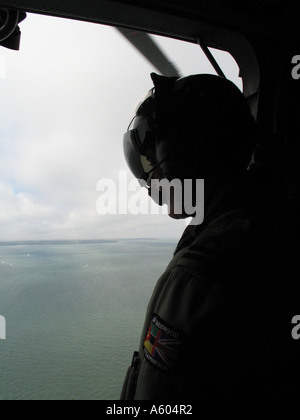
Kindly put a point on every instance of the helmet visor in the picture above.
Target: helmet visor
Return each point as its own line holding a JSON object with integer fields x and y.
{"x": 132, "y": 155}
{"x": 139, "y": 137}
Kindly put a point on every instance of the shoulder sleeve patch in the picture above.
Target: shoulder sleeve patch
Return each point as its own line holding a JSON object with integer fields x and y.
{"x": 162, "y": 344}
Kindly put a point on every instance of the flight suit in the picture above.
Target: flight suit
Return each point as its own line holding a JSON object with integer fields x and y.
{"x": 218, "y": 323}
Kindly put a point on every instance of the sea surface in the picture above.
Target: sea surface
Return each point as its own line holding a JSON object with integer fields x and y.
{"x": 74, "y": 314}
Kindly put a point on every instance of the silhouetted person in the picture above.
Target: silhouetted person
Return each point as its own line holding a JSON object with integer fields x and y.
{"x": 218, "y": 325}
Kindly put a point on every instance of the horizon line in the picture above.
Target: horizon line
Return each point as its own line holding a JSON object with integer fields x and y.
{"x": 78, "y": 241}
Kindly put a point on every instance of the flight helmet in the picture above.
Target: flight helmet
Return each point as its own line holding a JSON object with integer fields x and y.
{"x": 192, "y": 127}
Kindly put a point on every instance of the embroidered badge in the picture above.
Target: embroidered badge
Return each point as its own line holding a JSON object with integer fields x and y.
{"x": 162, "y": 344}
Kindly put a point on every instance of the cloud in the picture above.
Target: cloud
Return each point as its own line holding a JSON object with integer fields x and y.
{"x": 20, "y": 215}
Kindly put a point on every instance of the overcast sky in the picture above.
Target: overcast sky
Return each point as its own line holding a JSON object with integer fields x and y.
{"x": 65, "y": 101}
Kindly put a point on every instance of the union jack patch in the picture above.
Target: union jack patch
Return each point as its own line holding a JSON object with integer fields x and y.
{"x": 162, "y": 344}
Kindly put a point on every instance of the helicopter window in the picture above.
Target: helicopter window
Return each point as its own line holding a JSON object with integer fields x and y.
{"x": 192, "y": 60}
{"x": 75, "y": 282}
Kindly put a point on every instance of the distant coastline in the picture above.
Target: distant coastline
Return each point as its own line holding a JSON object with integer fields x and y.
{"x": 72, "y": 241}
{"x": 59, "y": 242}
